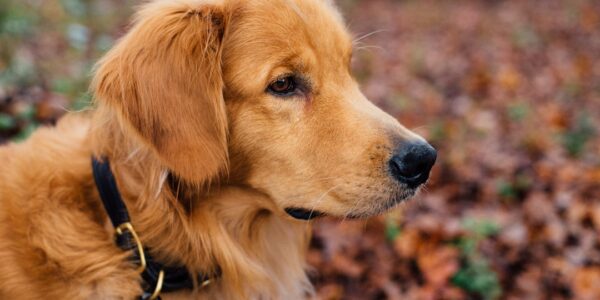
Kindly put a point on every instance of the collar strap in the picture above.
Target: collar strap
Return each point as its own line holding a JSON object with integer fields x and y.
{"x": 157, "y": 277}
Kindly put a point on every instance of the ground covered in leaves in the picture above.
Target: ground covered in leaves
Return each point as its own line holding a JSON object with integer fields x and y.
{"x": 508, "y": 91}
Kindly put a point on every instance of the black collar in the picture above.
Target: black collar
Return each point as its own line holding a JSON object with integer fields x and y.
{"x": 157, "y": 277}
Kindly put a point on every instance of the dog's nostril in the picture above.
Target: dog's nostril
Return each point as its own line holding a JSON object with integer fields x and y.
{"x": 412, "y": 163}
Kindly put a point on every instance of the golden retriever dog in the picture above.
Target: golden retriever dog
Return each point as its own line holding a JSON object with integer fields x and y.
{"x": 227, "y": 125}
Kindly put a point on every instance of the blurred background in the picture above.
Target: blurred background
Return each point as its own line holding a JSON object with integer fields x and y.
{"x": 508, "y": 91}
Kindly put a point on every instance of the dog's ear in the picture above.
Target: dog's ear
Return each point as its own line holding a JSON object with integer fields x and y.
{"x": 164, "y": 80}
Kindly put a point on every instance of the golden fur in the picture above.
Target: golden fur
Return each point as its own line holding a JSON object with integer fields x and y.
{"x": 183, "y": 93}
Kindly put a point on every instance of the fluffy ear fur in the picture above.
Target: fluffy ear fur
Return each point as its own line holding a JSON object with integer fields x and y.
{"x": 164, "y": 81}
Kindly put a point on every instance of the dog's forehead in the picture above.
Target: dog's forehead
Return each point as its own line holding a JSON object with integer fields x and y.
{"x": 315, "y": 11}
{"x": 295, "y": 19}
{"x": 266, "y": 32}
{"x": 323, "y": 21}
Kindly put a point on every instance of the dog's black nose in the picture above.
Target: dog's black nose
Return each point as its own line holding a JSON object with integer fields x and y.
{"x": 412, "y": 163}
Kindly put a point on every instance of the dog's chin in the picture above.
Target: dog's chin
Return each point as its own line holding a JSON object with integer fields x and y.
{"x": 309, "y": 214}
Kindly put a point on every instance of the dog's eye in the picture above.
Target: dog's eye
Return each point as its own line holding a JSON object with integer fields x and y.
{"x": 284, "y": 86}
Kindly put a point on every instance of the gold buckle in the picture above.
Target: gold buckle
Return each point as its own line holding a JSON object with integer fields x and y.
{"x": 128, "y": 227}
{"x": 159, "y": 284}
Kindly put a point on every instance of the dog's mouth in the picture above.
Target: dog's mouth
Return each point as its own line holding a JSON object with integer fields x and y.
{"x": 303, "y": 214}
{"x": 309, "y": 214}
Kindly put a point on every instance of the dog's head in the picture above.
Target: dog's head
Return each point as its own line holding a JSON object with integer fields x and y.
{"x": 260, "y": 92}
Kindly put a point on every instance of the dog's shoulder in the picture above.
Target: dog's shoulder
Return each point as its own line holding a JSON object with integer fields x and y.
{"x": 51, "y": 158}
{"x": 51, "y": 222}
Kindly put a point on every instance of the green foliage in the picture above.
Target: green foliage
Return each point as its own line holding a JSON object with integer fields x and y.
{"x": 481, "y": 229}
{"x": 16, "y": 24}
{"x": 26, "y": 131}
{"x": 525, "y": 37}
{"x": 27, "y": 117}
{"x": 518, "y": 111}
{"x": 476, "y": 276}
{"x": 392, "y": 229}
{"x": 575, "y": 139}
{"x": 437, "y": 131}
{"x": 510, "y": 190}
{"x": 570, "y": 90}
{"x": 506, "y": 189}
{"x": 401, "y": 101}
{"x": 47, "y": 52}
{"x": 15, "y": 20}
{"x": 7, "y": 121}
{"x": 82, "y": 102}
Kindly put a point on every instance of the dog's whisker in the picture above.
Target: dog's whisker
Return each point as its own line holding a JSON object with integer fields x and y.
{"x": 352, "y": 210}
{"x": 323, "y": 179}
{"x": 364, "y": 227}
{"x": 161, "y": 182}
{"x": 421, "y": 127}
{"x": 132, "y": 154}
{"x": 368, "y": 47}
{"x": 68, "y": 110}
{"x": 318, "y": 201}
{"x": 361, "y": 199}
{"x": 362, "y": 37}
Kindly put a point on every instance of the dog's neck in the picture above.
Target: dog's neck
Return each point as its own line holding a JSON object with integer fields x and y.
{"x": 234, "y": 229}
